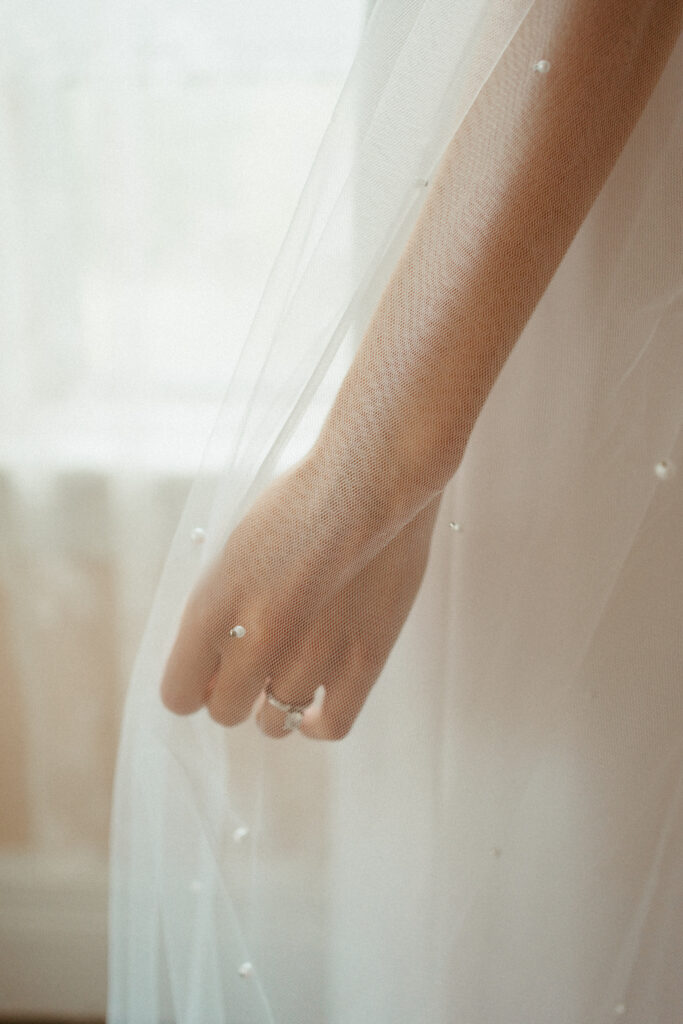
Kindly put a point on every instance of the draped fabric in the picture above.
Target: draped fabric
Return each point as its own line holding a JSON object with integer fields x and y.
{"x": 499, "y": 838}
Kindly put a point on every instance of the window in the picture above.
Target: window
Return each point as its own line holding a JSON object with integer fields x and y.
{"x": 152, "y": 156}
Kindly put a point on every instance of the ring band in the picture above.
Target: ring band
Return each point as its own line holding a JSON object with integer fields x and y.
{"x": 294, "y": 713}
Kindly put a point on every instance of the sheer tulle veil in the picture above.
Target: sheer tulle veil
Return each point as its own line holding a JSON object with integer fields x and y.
{"x": 499, "y": 839}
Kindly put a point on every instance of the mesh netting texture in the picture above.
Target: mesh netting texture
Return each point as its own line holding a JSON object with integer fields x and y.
{"x": 439, "y": 523}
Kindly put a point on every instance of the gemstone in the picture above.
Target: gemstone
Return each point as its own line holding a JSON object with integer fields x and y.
{"x": 293, "y": 720}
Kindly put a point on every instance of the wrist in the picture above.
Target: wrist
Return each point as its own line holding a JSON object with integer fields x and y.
{"x": 369, "y": 499}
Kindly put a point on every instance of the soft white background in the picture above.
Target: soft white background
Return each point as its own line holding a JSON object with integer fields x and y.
{"x": 151, "y": 156}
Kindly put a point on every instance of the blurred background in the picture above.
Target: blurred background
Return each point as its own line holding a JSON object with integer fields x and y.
{"x": 151, "y": 156}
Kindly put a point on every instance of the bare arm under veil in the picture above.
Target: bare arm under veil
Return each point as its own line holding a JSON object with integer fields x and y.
{"x": 440, "y": 521}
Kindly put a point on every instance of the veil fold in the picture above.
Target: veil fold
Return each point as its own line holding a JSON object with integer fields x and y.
{"x": 500, "y": 837}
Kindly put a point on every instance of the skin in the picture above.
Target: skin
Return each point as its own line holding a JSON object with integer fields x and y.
{"x": 327, "y": 609}
{"x": 341, "y": 642}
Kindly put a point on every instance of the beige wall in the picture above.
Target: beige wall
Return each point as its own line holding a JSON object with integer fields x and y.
{"x": 80, "y": 555}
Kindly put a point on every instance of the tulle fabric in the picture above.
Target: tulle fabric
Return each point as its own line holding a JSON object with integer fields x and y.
{"x": 500, "y": 837}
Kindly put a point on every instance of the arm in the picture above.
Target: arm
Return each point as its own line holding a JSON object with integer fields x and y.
{"x": 323, "y": 569}
{"x": 491, "y": 234}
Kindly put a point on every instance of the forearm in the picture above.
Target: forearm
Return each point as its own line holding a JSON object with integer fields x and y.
{"x": 500, "y": 215}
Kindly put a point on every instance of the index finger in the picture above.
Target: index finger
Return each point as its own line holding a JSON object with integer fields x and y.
{"x": 191, "y": 666}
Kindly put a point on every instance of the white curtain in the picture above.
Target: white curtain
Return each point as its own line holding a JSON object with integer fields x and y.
{"x": 140, "y": 213}
{"x": 499, "y": 839}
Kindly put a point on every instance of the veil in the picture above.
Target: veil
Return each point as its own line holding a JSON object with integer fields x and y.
{"x": 499, "y": 838}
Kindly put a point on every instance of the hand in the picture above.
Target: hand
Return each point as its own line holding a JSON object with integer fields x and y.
{"x": 319, "y": 605}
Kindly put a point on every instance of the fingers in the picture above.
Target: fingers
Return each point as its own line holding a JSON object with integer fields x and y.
{"x": 237, "y": 684}
{"x": 225, "y": 667}
{"x": 293, "y": 684}
{"x": 347, "y": 671}
{"x": 233, "y": 684}
{"x": 345, "y": 695}
{"x": 196, "y": 675}
{"x": 210, "y": 661}
{"x": 279, "y": 721}
{"x": 344, "y": 650}
{"x": 191, "y": 666}
{"x": 248, "y": 654}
